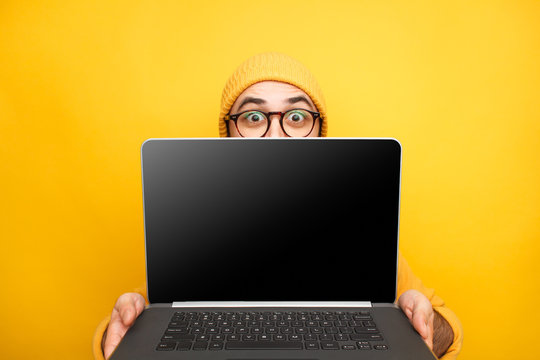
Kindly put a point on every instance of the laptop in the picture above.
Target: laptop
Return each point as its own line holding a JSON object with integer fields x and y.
{"x": 261, "y": 249}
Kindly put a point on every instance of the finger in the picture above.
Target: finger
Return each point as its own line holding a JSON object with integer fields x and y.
{"x": 423, "y": 322}
{"x": 133, "y": 309}
{"x": 122, "y": 317}
{"x": 429, "y": 339}
{"x": 406, "y": 303}
{"x": 115, "y": 333}
{"x": 140, "y": 303}
{"x": 126, "y": 308}
{"x": 113, "y": 339}
{"x": 128, "y": 314}
{"x": 419, "y": 321}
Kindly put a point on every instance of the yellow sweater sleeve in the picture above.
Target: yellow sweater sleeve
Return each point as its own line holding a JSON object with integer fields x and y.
{"x": 406, "y": 281}
{"x": 102, "y": 326}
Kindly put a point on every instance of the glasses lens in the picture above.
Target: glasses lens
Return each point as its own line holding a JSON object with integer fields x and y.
{"x": 298, "y": 122}
{"x": 252, "y": 124}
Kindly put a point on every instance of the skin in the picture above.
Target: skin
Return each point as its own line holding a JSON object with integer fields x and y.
{"x": 433, "y": 328}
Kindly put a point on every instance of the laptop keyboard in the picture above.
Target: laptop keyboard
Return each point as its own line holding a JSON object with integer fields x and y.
{"x": 272, "y": 330}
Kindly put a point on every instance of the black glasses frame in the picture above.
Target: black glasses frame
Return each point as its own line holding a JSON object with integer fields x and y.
{"x": 234, "y": 118}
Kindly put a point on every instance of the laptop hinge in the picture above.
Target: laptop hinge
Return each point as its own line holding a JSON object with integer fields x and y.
{"x": 193, "y": 304}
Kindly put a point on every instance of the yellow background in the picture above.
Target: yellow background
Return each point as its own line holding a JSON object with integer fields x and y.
{"x": 83, "y": 84}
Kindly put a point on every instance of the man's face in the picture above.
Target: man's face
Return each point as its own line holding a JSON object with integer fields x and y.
{"x": 270, "y": 96}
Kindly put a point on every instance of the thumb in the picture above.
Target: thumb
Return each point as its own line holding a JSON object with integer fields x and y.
{"x": 130, "y": 308}
{"x": 407, "y": 302}
{"x": 127, "y": 315}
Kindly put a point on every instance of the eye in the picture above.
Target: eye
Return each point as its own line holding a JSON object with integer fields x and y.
{"x": 254, "y": 116}
{"x": 296, "y": 116}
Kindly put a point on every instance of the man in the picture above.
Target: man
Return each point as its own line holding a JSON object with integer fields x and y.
{"x": 273, "y": 95}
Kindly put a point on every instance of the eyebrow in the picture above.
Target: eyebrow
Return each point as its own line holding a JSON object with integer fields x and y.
{"x": 252, "y": 100}
{"x": 296, "y": 99}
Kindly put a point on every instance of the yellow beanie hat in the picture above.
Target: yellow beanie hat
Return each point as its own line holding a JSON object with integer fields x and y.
{"x": 270, "y": 66}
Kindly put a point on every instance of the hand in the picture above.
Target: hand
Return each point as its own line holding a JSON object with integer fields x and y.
{"x": 127, "y": 308}
{"x": 420, "y": 312}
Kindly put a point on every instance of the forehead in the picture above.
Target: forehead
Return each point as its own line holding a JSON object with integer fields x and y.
{"x": 272, "y": 90}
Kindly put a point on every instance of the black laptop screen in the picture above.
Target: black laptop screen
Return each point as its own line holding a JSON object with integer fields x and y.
{"x": 271, "y": 219}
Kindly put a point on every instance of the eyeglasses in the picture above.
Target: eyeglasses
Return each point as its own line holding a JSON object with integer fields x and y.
{"x": 255, "y": 123}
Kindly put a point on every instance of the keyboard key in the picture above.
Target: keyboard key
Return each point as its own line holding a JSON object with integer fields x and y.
{"x": 331, "y": 330}
{"x": 348, "y": 347}
{"x": 178, "y": 337}
{"x": 177, "y": 330}
{"x": 329, "y": 345}
{"x": 380, "y": 347}
{"x": 183, "y": 346}
{"x": 264, "y": 345}
{"x": 365, "y": 330}
{"x": 166, "y": 346}
{"x": 287, "y": 330}
{"x": 200, "y": 345}
{"x": 178, "y": 324}
{"x": 372, "y": 337}
{"x": 312, "y": 345}
{"x": 215, "y": 345}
